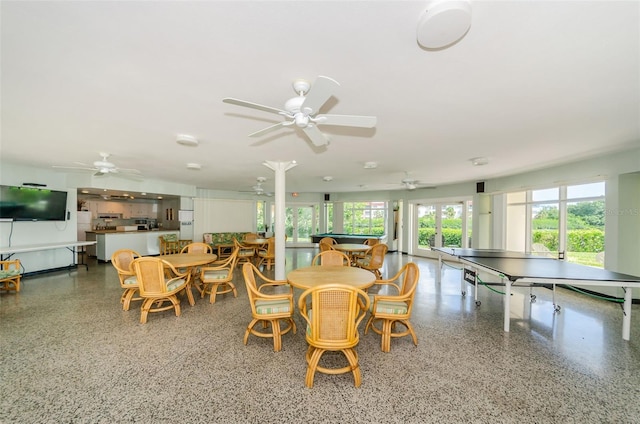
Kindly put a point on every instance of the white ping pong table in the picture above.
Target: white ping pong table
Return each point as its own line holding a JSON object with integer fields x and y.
{"x": 520, "y": 269}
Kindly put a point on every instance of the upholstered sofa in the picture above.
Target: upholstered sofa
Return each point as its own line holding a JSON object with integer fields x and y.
{"x": 222, "y": 243}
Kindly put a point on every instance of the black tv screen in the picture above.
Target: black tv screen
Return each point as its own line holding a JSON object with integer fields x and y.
{"x": 32, "y": 204}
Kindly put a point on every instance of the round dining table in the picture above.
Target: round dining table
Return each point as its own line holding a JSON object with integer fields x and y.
{"x": 317, "y": 275}
{"x": 189, "y": 261}
{"x": 351, "y": 249}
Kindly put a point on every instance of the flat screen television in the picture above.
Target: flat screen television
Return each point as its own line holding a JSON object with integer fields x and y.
{"x": 32, "y": 204}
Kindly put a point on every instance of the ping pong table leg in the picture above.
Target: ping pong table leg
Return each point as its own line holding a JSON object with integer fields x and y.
{"x": 439, "y": 272}
{"x": 626, "y": 318}
{"x": 507, "y": 303}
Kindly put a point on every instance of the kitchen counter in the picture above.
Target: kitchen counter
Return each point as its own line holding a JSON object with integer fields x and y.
{"x": 125, "y": 232}
{"x": 145, "y": 242}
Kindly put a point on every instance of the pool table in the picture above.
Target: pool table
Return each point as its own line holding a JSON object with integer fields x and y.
{"x": 348, "y": 238}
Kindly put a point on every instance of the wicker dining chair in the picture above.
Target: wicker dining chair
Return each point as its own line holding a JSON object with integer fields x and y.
{"x": 331, "y": 257}
{"x": 218, "y": 279}
{"x": 269, "y": 310}
{"x": 10, "y": 275}
{"x": 197, "y": 247}
{"x": 325, "y": 247}
{"x": 155, "y": 288}
{"x": 267, "y": 254}
{"x": 391, "y": 310}
{"x": 122, "y": 260}
{"x": 332, "y": 313}
{"x": 245, "y": 253}
{"x": 329, "y": 240}
{"x": 373, "y": 259}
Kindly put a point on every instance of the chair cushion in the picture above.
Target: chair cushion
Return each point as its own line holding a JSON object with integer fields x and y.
{"x": 6, "y": 273}
{"x": 246, "y": 252}
{"x": 131, "y": 280}
{"x": 272, "y": 306}
{"x": 170, "y": 237}
{"x": 363, "y": 261}
{"x": 174, "y": 284}
{"x": 218, "y": 274}
{"x": 389, "y": 307}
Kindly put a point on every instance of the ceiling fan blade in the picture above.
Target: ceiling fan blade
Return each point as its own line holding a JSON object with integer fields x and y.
{"x": 321, "y": 90}
{"x": 81, "y": 168}
{"x": 128, "y": 171}
{"x": 315, "y": 135}
{"x": 270, "y": 128}
{"x": 347, "y": 120}
{"x": 244, "y": 103}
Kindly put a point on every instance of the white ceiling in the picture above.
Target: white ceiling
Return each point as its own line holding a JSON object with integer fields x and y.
{"x": 532, "y": 84}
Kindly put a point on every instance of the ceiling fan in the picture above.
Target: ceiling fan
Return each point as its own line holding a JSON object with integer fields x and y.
{"x": 101, "y": 167}
{"x": 302, "y": 110}
{"x": 258, "y": 189}
{"x": 412, "y": 184}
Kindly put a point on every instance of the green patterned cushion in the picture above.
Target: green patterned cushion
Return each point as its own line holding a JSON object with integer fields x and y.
{"x": 216, "y": 275}
{"x": 272, "y": 306}
{"x": 170, "y": 237}
{"x": 216, "y": 239}
{"x": 390, "y": 307}
{"x": 6, "y": 273}
{"x": 174, "y": 284}
{"x": 131, "y": 280}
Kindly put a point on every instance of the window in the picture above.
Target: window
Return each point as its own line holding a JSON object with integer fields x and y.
{"x": 260, "y": 217}
{"x": 328, "y": 217}
{"x": 566, "y": 222}
{"x": 365, "y": 217}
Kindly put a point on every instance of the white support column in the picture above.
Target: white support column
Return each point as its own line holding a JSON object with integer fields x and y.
{"x": 280, "y": 168}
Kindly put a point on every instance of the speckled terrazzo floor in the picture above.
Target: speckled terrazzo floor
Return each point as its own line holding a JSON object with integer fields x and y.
{"x": 69, "y": 354}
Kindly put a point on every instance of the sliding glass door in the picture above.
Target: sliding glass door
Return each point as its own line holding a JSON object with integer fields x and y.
{"x": 442, "y": 225}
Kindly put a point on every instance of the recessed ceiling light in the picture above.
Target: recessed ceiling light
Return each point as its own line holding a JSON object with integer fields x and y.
{"x": 479, "y": 161}
{"x": 370, "y": 165}
{"x": 85, "y": 191}
{"x": 327, "y": 178}
{"x": 186, "y": 140}
{"x": 194, "y": 166}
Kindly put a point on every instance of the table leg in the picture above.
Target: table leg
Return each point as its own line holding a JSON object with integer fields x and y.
{"x": 626, "y": 318}
{"x": 507, "y": 303}
{"x": 439, "y": 271}
{"x": 189, "y": 293}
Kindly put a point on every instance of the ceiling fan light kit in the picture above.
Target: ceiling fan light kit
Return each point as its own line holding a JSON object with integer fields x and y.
{"x": 444, "y": 23}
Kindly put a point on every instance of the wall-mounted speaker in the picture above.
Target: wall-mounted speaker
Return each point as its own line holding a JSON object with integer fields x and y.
{"x": 480, "y": 187}
{"x": 327, "y": 197}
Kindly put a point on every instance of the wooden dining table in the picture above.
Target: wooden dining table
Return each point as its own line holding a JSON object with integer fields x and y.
{"x": 317, "y": 275}
{"x": 189, "y": 261}
{"x": 351, "y": 249}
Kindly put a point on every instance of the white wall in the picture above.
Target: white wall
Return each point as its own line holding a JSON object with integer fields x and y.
{"x": 28, "y": 233}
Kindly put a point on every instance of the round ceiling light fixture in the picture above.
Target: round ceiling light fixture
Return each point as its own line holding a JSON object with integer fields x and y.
{"x": 186, "y": 140}
{"x": 479, "y": 161}
{"x": 444, "y": 23}
{"x": 195, "y": 166}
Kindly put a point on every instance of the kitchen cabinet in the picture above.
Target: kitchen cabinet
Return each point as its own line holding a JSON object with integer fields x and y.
{"x": 92, "y": 206}
{"x": 146, "y": 243}
{"x": 143, "y": 210}
{"x": 113, "y": 208}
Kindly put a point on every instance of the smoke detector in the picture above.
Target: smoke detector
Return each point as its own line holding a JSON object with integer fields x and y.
{"x": 444, "y": 23}
{"x": 186, "y": 140}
